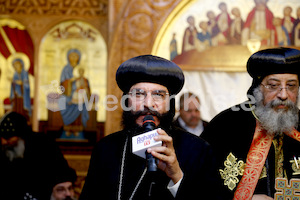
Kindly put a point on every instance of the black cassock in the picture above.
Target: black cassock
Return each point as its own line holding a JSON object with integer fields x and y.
{"x": 194, "y": 155}
{"x": 231, "y": 132}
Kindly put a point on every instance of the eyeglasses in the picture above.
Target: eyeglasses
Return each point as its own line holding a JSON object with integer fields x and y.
{"x": 140, "y": 95}
{"x": 277, "y": 88}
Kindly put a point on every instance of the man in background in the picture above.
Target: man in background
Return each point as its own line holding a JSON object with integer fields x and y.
{"x": 189, "y": 114}
{"x": 63, "y": 188}
{"x": 29, "y": 161}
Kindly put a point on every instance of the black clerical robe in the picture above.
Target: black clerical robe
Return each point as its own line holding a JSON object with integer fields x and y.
{"x": 104, "y": 176}
{"x": 230, "y": 134}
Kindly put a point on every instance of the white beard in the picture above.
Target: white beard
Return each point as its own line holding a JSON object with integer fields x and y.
{"x": 276, "y": 122}
{"x": 17, "y": 151}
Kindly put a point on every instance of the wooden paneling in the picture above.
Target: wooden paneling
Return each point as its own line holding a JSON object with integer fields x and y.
{"x": 81, "y": 164}
{"x": 134, "y": 26}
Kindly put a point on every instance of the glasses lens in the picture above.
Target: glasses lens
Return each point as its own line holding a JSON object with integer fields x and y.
{"x": 138, "y": 94}
{"x": 292, "y": 88}
{"x": 158, "y": 95}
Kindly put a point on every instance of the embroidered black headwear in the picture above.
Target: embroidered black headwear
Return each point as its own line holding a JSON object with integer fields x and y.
{"x": 272, "y": 61}
{"x": 13, "y": 124}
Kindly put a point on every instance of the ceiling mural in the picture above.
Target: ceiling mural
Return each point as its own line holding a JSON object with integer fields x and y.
{"x": 221, "y": 35}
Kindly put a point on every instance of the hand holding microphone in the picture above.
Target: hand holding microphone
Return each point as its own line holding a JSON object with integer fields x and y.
{"x": 162, "y": 149}
{"x": 166, "y": 155}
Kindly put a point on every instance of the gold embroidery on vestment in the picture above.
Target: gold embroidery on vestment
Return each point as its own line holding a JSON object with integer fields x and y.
{"x": 231, "y": 171}
{"x": 263, "y": 173}
{"x": 295, "y": 167}
{"x": 277, "y": 142}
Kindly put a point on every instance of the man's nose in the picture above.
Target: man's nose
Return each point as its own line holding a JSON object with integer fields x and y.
{"x": 148, "y": 101}
{"x": 68, "y": 193}
{"x": 282, "y": 94}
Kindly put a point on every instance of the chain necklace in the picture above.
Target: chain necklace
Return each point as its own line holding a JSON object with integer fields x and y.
{"x": 122, "y": 171}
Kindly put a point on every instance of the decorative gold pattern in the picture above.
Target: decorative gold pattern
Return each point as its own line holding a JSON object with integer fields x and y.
{"x": 255, "y": 161}
{"x": 232, "y": 170}
{"x": 263, "y": 173}
{"x": 277, "y": 142}
{"x": 138, "y": 27}
{"x": 54, "y": 7}
{"x": 294, "y": 166}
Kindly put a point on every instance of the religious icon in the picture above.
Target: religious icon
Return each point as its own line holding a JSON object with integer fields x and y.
{"x": 20, "y": 89}
{"x": 74, "y": 119}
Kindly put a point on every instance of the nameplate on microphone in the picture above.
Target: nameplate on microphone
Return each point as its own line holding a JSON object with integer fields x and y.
{"x": 142, "y": 142}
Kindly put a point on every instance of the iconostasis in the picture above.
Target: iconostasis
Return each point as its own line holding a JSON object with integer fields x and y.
{"x": 26, "y": 85}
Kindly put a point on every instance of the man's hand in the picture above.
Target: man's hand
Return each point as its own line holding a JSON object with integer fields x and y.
{"x": 167, "y": 158}
{"x": 261, "y": 197}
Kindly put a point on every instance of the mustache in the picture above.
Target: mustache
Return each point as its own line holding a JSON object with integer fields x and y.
{"x": 147, "y": 111}
{"x": 277, "y": 102}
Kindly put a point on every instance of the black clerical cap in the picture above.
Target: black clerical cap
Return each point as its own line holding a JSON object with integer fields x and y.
{"x": 13, "y": 124}
{"x": 149, "y": 68}
{"x": 272, "y": 61}
{"x": 64, "y": 174}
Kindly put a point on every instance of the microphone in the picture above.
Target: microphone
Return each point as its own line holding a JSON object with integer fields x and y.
{"x": 140, "y": 143}
{"x": 149, "y": 125}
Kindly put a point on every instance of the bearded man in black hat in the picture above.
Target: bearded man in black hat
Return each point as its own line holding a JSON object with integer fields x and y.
{"x": 63, "y": 185}
{"x": 185, "y": 162}
{"x": 30, "y": 162}
{"x": 257, "y": 142}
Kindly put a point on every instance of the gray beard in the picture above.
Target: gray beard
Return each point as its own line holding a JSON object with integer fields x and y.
{"x": 16, "y": 152}
{"x": 276, "y": 122}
